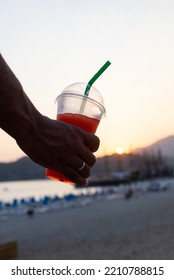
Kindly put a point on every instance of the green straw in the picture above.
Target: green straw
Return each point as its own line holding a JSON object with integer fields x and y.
{"x": 90, "y": 83}
{"x": 95, "y": 77}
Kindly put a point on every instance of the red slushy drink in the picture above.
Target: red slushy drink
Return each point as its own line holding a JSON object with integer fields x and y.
{"x": 86, "y": 123}
{"x": 79, "y": 110}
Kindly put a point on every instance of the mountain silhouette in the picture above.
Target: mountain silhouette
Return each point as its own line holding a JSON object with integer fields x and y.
{"x": 165, "y": 146}
{"x": 22, "y": 169}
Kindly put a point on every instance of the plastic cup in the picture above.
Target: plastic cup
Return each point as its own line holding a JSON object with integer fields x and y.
{"x": 75, "y": 108}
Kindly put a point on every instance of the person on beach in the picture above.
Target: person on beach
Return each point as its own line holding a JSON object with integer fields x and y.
{"x": 50, "y": 143}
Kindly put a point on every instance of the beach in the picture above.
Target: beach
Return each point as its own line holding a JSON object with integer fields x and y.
{"x": 139, "y": 228}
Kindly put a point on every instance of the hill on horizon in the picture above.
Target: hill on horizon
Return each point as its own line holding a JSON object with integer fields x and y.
{"x": 22, "y": 169}
{"x": 165, "y": 145}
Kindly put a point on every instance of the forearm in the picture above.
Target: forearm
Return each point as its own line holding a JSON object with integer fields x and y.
{"x": 18, "y": 116}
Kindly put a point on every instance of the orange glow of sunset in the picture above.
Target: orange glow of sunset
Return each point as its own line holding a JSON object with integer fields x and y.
{"x": 120, "y": 150}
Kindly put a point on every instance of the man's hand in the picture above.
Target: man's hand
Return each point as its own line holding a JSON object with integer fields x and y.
{"x": 62, "y": 147}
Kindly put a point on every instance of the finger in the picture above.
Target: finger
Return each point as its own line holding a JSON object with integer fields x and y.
{"x": 92, "y": 142}
{"x": 80, "y": 166}
{"x": 74, "y": 176}
{"x": 85, "y": 171}
{"x": 81, "y": 153}
{"x": 86, "y": 156}
{"x": 77, "y": 162}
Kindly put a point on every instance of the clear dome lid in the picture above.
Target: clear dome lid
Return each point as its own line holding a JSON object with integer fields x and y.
{"x": 79, "y": 88}
{"x": 72, "y": 99}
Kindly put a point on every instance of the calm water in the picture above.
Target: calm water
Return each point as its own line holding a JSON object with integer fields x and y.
{"x": 36, "y": 188}
{"x": 40, "y": 188}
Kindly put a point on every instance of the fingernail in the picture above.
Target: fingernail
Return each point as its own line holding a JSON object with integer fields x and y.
{"x": 86, "y": 182}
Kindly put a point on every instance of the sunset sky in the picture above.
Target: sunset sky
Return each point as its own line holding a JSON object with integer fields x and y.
{"x": 50, "y": 44}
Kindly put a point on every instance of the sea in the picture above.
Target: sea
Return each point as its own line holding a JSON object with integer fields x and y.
{"x": 38, "y": 189}
{"x": 41, "y": 188}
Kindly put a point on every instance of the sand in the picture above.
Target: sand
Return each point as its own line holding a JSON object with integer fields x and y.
{"x": 139, "y": 228}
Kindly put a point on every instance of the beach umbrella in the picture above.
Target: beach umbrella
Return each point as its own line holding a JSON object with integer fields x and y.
{"x": 15, "y": 203}
{"x": 32, "y": 200}
{"x": 56, "y": 198}
{"x": 45, "y": 200}
{"x": 69, "y": 197}
{"x": 23, "y": 201}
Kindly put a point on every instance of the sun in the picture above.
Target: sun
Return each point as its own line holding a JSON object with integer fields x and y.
{"x": 120, "y": 150}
